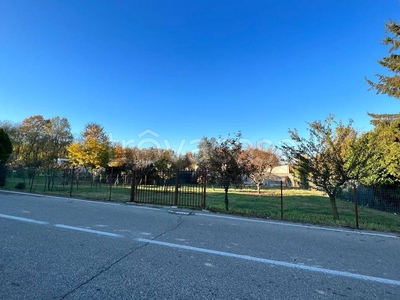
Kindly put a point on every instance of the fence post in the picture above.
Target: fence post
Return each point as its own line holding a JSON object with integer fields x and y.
{"x": 111, "y": 180}
{"x": 356, "y": 204}
{"x": 281, "y": 200}
{"x": 72, "y": 181}
{"x": 204, "y": 187}
{"x": 176, "y": 187}
{"x": 133, "y": 184}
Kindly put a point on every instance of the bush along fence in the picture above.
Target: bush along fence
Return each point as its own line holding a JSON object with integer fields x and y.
{"x": 169, "y": 187}
{"x": 381, "y": 198}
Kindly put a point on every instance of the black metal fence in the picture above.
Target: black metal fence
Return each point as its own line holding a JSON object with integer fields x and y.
{"x": 169, "y": 187}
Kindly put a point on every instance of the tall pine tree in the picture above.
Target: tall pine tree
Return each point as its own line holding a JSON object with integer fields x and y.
{"x": 389, "y": 85}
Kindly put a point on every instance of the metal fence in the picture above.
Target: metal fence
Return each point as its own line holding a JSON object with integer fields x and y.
{"x": 380, "y": 198}
{"x": 169, "y": 187}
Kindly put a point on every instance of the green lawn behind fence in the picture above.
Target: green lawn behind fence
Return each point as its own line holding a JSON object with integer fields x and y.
{"x": 305, "y": 206}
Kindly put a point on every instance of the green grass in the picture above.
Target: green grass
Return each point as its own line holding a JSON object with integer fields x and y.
{"x": 304, "y": 206}
{"x": 82, "y": 191}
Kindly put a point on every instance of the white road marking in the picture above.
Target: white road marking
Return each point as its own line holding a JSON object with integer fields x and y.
{"x": 298, "y": 225}
{"x": 23, "y": 219}
{"x": 82, "y": 200}
{"x": 60, "y": 198}
{"x": 275, "y": 262}
{"x": 60, "y": 226}
{"x": 88, "y": 230}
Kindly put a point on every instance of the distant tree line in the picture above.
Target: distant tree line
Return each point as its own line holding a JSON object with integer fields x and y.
{"x": 36, "y": 145}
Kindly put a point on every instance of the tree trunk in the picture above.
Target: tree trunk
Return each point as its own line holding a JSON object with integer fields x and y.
{"x": 226, "y": 199}
{"x": 335, "y": 212}
{"x": 258, "y": 188}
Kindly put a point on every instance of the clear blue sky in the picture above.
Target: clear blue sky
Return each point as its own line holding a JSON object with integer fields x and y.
{"x": 170, "y": 72}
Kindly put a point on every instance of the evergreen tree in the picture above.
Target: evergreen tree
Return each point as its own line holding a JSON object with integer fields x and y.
{"x": 390, "y": 85}
{"x": 5, "y": 146}
{"x": 5, "y": 152}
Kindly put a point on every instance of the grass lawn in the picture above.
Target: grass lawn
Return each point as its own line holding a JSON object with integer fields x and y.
{"x": 305, "y": 206}
{"x": 310, "y": 207}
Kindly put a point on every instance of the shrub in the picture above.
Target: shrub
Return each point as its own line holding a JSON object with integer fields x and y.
{"x": 20, "y": 186}
{"x": 3, "y": 175}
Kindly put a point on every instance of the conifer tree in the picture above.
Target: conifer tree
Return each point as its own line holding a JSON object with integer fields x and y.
{"x": 389, "y": 85}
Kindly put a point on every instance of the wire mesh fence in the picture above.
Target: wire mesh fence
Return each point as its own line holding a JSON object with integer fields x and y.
{"x": 379, "y": 197}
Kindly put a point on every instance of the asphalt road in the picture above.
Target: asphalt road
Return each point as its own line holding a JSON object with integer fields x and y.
{"x": 61, "y": 248}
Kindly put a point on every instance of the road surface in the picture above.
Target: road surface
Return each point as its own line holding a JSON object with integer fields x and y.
{"x": 62, "y": 248}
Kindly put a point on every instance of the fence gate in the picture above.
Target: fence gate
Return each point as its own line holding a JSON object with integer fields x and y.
{"x": 169, "y": 187}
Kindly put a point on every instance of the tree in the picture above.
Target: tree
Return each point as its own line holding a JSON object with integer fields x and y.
{"x": 324, "y": 155}
{"x": 14, "y": 133}
{"x": 5, "y": 152}
{"x": 5, "y": 146}
{"x": 33, "y": 139}
{"x": 221, "y": 159}
{"x": 93, "y": 151}
{"x": 164, "y": 160}
{"x": 389, "y": 85}
{"x": 185, "y": 162}
{"x": 118, "y": 157}
{"x": 165, "y": 165}
{"x": 37, "y": 143}
{"x": 258, "y": 164}
{"x": 206, "y": 149}
{"x": 383, "y": 142}
{"x": 57, "y": 137}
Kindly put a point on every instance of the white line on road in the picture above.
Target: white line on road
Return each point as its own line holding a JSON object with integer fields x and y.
{"x": 85, "y": 201}
{"x": 60, "y": 225}
{"x": 88, "y": 230}
{"x": 60, "y": 198}
{"x": 23, "y": 219}
{"x": 274, "y": 262}
{"x": 298, "y": 225}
